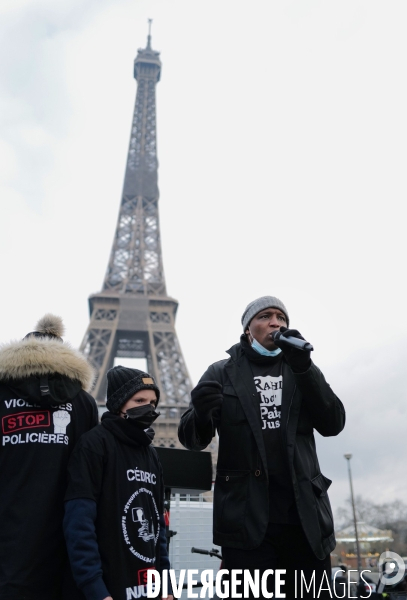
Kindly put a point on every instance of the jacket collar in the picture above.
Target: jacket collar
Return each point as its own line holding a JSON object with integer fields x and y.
{"x": 43, "y": 356}
{"x": 235, "y": 351}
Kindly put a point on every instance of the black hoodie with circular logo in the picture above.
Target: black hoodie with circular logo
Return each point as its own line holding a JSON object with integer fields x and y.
{"x": 115, "y": 470}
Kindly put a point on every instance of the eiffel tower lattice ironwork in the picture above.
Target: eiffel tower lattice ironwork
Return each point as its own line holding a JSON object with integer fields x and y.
{"x": 132, "y": 316}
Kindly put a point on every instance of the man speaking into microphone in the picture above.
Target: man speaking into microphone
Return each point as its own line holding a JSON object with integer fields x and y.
{"x": 271, "y": 508}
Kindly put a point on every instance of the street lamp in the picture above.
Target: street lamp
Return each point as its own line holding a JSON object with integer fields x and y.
{"x": 348, "y": 457}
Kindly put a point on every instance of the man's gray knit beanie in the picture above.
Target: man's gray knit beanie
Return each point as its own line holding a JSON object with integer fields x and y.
{"x": 260, "y": 304}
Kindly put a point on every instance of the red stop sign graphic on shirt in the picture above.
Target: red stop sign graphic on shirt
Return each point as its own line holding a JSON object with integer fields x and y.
{"x": 142, "y": 576}
{"x": 25, "y": 420}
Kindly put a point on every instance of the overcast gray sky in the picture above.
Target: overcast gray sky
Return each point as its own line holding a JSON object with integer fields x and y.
{"x": 282, "y": 129}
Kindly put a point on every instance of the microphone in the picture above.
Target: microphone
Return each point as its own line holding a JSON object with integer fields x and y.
{"x": 292, "y": 341}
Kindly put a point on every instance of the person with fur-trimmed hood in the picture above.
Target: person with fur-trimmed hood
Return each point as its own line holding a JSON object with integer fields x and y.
{"x": 44, "y": 409}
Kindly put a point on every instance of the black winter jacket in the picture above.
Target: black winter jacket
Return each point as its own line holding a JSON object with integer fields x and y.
{"x": 241, "y": 505}
{"x": 44, "y": 409}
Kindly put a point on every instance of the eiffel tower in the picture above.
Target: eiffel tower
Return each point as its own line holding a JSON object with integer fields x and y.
{"x": 132, "y": 317}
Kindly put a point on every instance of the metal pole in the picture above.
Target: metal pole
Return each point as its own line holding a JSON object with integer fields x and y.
{"x": 348, "y": 457}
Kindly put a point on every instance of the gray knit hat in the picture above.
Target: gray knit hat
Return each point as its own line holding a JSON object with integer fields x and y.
{"x": 123, "y": 383}
{"x": 260, "y": 304}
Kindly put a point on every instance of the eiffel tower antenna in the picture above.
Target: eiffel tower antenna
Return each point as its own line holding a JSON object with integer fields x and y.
{"x": 149, "y": 34}
{"x": 133, "y": 317}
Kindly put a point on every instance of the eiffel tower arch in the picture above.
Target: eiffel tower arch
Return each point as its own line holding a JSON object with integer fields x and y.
{"x": 132, "y": 317}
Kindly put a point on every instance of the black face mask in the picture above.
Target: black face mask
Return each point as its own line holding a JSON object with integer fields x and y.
{"x": 143, "y": 415}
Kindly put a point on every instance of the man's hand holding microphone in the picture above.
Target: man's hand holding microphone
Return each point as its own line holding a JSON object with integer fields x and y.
{"x": 296, "y": 350}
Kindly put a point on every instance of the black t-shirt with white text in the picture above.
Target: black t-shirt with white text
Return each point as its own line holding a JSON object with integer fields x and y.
{"x": 268, "y": 380}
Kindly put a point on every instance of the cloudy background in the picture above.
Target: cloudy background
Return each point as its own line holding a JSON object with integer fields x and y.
{"x": 282, "y": 129}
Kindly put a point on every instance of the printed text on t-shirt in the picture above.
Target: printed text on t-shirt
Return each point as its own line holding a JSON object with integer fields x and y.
{"x": 270, "y": 391}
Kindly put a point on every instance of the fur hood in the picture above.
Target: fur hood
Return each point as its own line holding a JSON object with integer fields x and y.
{"x": 35, "y": 356}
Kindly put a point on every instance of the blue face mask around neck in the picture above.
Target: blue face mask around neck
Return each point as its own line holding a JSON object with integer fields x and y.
{"x": 262, "y": 350}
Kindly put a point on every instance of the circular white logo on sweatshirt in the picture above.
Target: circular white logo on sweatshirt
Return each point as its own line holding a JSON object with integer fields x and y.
{"x": 140, "y": 524}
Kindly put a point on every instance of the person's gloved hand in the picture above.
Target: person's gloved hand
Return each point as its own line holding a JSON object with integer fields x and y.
{"x": 206, "y": 398}
{"x": 299, "y": 360}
